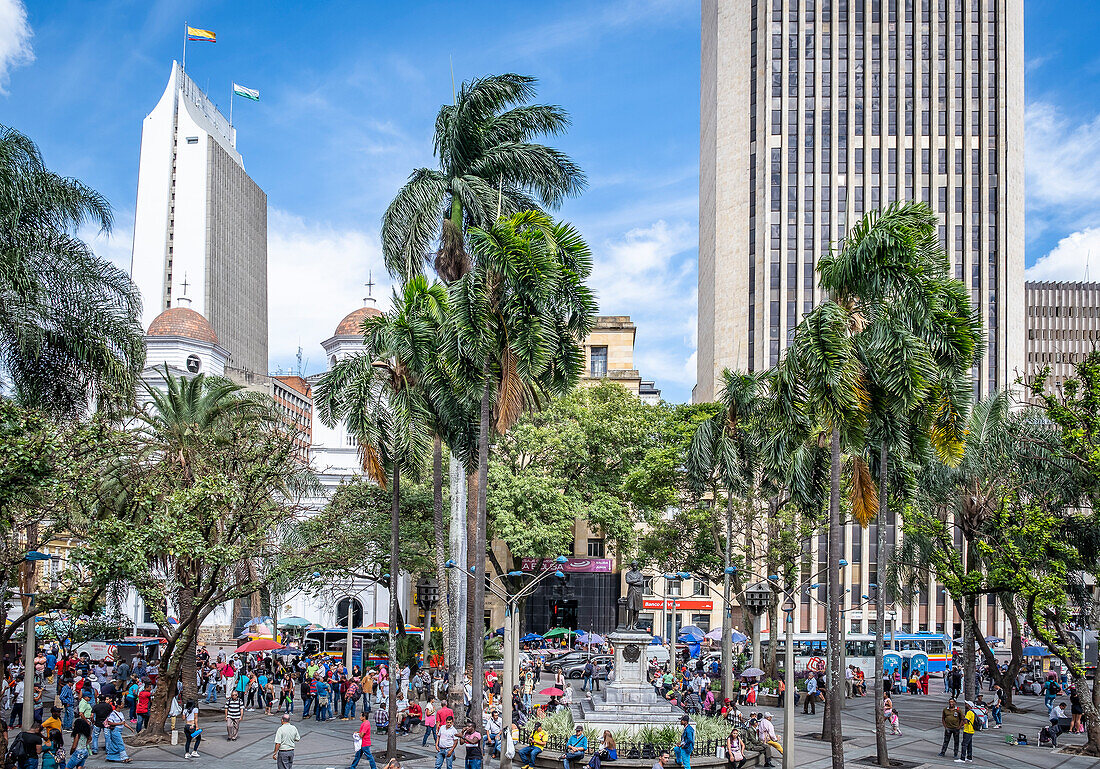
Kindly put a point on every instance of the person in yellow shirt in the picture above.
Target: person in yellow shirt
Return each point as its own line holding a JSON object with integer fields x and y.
{"x": 538, "y": 742}
{"x": 53, "y": 722}
{"x": 967, "y": 752}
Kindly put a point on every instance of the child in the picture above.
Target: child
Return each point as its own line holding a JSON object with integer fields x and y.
{"x": 895, "y": 724}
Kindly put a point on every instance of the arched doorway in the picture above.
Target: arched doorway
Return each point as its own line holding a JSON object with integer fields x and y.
{"x": 342, "y": 612}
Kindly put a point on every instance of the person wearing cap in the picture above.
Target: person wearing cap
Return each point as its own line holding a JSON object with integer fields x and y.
{"x": 286, "y": 737}
{"x": 528, "y": 755}
{"x": 766, "y": 732}
{"x": 575, "y": 747}
{"x": 684, "y": 750}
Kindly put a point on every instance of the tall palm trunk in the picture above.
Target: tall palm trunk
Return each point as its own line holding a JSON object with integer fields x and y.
{"x": 972, "y": 566}
{"x": 395, "y": 617}
{"x": 473, "y": 636}
{"x": 456, "y": 580}
{"x": 478, "y": 620}
{"x": 880, "y": 606}
{"x": 442, "y": 609}
{"x": 186, "y": 600}
{"x": 773, "y": 606}
{"x": 727, "y": 622}
{"x": 836, "y": 675}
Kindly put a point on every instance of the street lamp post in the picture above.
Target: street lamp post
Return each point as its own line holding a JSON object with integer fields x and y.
{"x": 30, "y": 560}
{"x": 427, "y": 593}
{"x": 788, "y": 682}
{"x": 511, "y": 613}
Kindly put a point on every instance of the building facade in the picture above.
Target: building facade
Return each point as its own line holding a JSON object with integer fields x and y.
{"x": 814, "y": 112}
{"x": 1063, "y": 326}
{"x": 293, "y": 398}
{"x": 200, "y": 226}
{"x": 609, "y": 353}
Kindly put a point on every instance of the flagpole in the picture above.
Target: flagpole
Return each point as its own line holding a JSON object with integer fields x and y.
{"x": 184, "y": 65}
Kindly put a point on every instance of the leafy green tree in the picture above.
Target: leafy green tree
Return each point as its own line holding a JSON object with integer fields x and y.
{"x": 70, "y": 330}
{"x": 210, "y": 479}
{"x": 518, "y": 320}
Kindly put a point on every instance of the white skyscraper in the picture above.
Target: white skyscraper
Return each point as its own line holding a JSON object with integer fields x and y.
{"x": 200, "y": 219}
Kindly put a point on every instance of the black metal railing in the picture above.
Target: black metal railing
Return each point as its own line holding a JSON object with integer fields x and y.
{"x": 629, "y": 748}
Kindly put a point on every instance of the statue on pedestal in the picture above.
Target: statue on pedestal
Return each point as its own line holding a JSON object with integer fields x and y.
{"x": 635, "y": 582}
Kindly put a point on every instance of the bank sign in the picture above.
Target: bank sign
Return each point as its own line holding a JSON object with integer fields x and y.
{"x": 686, "y": 604}
{"x": 574, "y": 565}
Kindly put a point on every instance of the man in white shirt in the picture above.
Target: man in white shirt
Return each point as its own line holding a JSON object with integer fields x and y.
{"x": 765, "y": 730}
{"x": 849, "y": 680}
{"x": 446, "y": 739}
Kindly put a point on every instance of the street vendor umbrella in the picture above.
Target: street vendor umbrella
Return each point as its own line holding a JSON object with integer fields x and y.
{"x": 552, "y": 691}
{"x": 751, "y": 673}
{"x": 714, "y": 635}
{"x": 258, "y": 621}
{"x": 992, "y": 639}
{"x": 558, "y": 631}
{"x": 294, "y": 622}
{"x": 656, "y": 641}
{"x": 530, "y": 637}
{"x": 259, "y": 645}
{"x": 590, "y": 638}
{"x": 691, "y": 633}
{"x": 738, "y": 638}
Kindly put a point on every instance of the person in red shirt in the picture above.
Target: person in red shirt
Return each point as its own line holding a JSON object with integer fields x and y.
{"x": 363, "y": 740}
{"x": 412, "y": 716}
{"x": 443, "y": 713}
{"x": 143, "y": 707}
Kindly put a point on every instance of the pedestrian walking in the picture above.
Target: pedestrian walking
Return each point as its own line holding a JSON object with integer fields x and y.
{"x": 286, "y": 737}
{"x": 966, "y": 752}
{"x": 82, "y": 741}
{"x": 810, "y": 705}
{"x": 362, "y": 743}
{"x": 191, "y": 730}
{"x": 471, "y": 740}
{"x": 687, "y": 744}
{"x": 234, "y": 713}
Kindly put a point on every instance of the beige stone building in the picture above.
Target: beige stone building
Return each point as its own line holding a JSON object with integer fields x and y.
{"x": 609, "y": 353}
{"x": 1063, "y": 325}
{"x": 813, "y": 114}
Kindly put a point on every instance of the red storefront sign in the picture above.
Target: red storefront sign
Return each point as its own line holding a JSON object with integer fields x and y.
{"x": 686, "y": 604}
{"x": 574, "y": 565}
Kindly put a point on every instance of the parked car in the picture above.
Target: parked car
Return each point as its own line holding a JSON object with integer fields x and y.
{"x": 575, "y": 670}
{"x": 567, "y": 660}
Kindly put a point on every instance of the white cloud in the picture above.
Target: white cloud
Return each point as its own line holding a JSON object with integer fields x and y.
{"x": 15, "y": 39}
{"x": 1076, "y": 257}
{"x": 649, "y": 274}
{"x": 315, "y": 277}
{"x": 1062, "y": 159}
{"x": 584, "y": 29}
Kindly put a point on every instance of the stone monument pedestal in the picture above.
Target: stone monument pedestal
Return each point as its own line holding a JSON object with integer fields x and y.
{"x": 629, "y": 701}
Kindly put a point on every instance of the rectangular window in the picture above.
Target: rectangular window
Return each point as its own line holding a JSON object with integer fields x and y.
{"x": 674, "y": 587}
{"x": 701, "y": 587}
{"x": 595, "y": 548}
{"x": 598, "y": 366}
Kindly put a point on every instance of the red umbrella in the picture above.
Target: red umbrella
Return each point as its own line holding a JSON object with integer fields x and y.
{"x": 260, "y": 645}
{"x": 552, "y": 691}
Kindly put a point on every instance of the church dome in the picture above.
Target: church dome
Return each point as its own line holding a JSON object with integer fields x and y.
{"x": 352, "y": 323}
{"x": 184, "y": 322}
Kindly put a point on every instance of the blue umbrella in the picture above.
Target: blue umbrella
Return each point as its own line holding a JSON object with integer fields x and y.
{"x": 738, "y": 638}
{"x": 656, "y": 641}
{"x": 994, "y": 640}
{"x": 691, "y": 633}
{"x": 530, "y": 637}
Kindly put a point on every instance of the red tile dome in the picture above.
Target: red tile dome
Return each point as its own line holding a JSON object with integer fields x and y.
{"x": 185, "y": 322}
{"x": 352, "y": 323}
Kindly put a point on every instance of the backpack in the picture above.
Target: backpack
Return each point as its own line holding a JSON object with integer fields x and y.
{"x": 17, "y": 752}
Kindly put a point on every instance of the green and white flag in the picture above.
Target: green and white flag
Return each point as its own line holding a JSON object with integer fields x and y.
{"x": 247, "y": 93}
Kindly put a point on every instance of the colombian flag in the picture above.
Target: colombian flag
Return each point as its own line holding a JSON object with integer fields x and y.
{"x": 201, "y": 35}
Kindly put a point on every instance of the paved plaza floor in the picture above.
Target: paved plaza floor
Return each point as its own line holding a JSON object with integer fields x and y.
{"x": 329, "y": 744}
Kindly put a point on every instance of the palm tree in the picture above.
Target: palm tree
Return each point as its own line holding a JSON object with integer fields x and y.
{"x": 382, "y": 397}
{"x": 724, "y": 448}
{"x": 70, "y": 329}
{"x": 518, "y": 320}
{"x": 488, "y": 165}
{"x": 916, "y": 340}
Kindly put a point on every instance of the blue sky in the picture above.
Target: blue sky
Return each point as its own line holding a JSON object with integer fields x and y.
{"x": 348, "y": 98}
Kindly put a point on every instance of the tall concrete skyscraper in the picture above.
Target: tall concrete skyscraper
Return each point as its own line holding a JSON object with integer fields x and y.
{"x": 814, "y": 112}
{"x": 200, "y": 228}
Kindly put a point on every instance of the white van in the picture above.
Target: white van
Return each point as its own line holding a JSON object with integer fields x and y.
{"x": 655, "y": 652}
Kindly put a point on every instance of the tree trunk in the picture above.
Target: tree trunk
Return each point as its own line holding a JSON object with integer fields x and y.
{"x": 478, "y": 620}
{"x": 473, "y": 636}
{"x": 969, "y": 624}
{"x": 186, "y": 608}
{"x": 1007, "y": 679}
{"x": 456, "y": 580}
{"x": 442, "y": 608}
{"x": 881, "y": 559}
{"x": 727, "y": 624}
{"x": 397, "y": 626}
{"x": 772, "y": 568}
{"x": 175, "y": 650}
{"x": 836, "y": 675}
